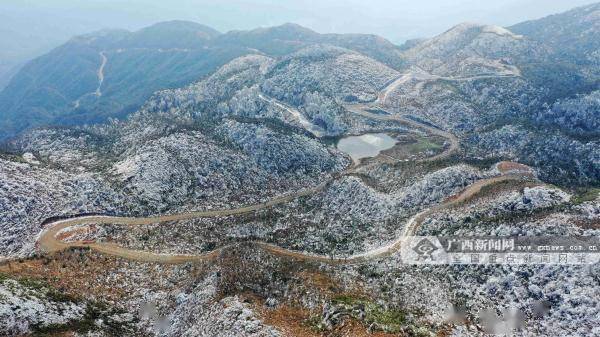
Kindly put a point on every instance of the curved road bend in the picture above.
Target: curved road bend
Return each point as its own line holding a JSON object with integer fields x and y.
{"x": 49, "y": 243}
{"x": 361, "y": 109}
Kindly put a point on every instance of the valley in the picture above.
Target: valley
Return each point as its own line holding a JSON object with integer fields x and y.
{"x": 48, "y": 242}
{"x": 180, "y": 181}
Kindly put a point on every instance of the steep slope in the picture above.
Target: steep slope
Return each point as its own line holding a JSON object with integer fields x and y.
{"x": 559, "y": 31}
{"x": 468, "y": 50}
{"x": 108, "y": 74}
{"x": 171, "y": 155}
{"x": 111, "y": 73}
{"x": 7, "y": 71}
{"x": 572, "y": 44}
{"x": 67, "y": 73}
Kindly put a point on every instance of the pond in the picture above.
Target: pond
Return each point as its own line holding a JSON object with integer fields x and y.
{"x": 365, "y": 146}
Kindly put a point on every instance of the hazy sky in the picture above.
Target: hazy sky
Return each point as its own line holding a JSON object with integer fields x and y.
{"x": 396, "y": 20}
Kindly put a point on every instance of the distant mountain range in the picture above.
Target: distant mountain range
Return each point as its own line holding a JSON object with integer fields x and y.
{"x": 111, "y": 73}
{"x": 63, "y": 87}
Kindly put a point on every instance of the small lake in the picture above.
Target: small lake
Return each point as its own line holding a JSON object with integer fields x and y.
{"x": 365, "y": 146}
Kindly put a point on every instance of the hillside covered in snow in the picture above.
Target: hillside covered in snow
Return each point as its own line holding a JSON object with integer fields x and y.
{"x": 179, "y": 181}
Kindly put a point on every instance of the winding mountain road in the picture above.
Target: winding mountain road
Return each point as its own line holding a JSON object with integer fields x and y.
{"x": 48, "y": 241}
{"x": 302, "y": 120}
{"x": 423, "y": 77}
{"x": 101, "y": 74}
{"x": 363, "y": 110}
{"x": 104, "y": 61}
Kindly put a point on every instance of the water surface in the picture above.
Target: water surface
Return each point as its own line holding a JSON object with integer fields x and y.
{"x": 365, "y": 146}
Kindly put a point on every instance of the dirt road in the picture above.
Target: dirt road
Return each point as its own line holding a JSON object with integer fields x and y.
{"x": 302, "y": 120}
{"x": 48, "y": 242}
{"x": 101, "y": 74}
{"x": 362, "y": 110}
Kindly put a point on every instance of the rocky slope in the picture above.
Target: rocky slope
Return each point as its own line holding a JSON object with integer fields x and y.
{"x": 571, "y": 45}
{"x": 30, "y": 194}
{"x": 557, "y": 32}
{"x": 492, "y": 85}
{"x": 111, "y": 73}
{"x": 469, "y": 50}
{"x": 265, "y": 124}
{"x": 173, "y": 155}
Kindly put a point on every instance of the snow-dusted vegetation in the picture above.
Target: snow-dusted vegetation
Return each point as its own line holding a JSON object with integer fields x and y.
{"x": 24, "y": 306}
{"x": 267, "y": 211}
{"x": 31, "y": 194}
{"x": 337, "y": 72}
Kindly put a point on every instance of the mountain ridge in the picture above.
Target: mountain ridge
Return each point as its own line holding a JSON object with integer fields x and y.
{"x": 175, "y": 53}
{"x": 233, "y": 200}
{"x": 38, "y": 96}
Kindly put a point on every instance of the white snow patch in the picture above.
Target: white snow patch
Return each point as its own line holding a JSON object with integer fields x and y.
{"x": 126, "y": 168}
{"x": 30, "y": 158}
{"x": 500, "y": 31}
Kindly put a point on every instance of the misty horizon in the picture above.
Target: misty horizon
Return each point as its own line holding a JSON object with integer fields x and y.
{"x": 396, "y": 22}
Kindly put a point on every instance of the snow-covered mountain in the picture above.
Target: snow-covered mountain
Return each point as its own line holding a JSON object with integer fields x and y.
{"x": 270, "y": 229}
